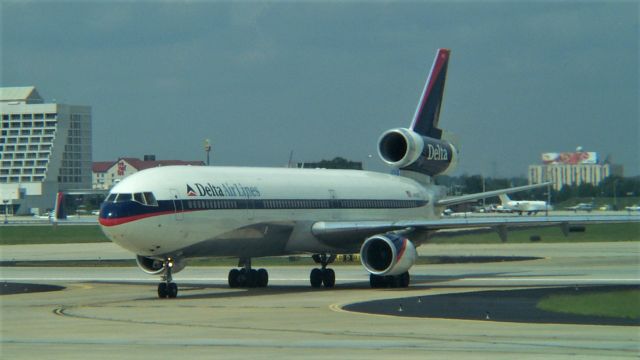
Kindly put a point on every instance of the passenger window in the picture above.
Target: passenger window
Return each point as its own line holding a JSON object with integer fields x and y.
{"x": 150, "y": 199}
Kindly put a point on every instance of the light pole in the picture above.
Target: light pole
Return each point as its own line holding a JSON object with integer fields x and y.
{"x": 207, "y": 149}
{"x": 615, "y": 197}
{"x": 6, "y": 208}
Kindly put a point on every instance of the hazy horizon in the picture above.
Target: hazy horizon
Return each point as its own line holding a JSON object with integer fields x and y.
{"x": 325, "y": 79}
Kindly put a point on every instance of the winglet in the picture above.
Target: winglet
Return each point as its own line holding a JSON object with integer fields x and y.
{"x": 425, "y": 120}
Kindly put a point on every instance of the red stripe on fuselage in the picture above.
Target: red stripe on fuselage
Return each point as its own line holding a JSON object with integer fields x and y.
{"x": 127, "y": 219}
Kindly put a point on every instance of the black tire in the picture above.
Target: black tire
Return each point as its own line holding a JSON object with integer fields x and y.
{"x": 252, "y": 278}
{"x": 329, "y": 278}
{"x": 404, "y": 280}
{"x": 316, "y": 278}
{"x": 262, "y": 278}
{"x": 172, "y": 290}
{"x": 376, "y": 281}
{"x": 162, "y": 290}
{"x": 233, "y": 278}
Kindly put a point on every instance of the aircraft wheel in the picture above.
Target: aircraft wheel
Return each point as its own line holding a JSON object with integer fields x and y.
{"x": 316, "y": 278}
{"x": 262, "y": 278}
{"x": 404, "y": 280}
{"x": 376, "y": 281}
{"x": 252, "y": 278}
{"x": 233, "y": 278}
{"x": 172, "y": 290}
{"x": 162, "y": 290}
{"x": 329, "y": 278}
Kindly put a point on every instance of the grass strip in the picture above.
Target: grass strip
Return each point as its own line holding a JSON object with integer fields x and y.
{"x": 49, "y": 234}
{"x": 615, "y": 303}
{"x": 65, "y": 234}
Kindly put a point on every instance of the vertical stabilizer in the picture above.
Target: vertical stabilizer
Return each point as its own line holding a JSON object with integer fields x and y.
{"x": 58, "y": 212}
{"x": 504, "y": 199}
{"x": 425, "y": 120}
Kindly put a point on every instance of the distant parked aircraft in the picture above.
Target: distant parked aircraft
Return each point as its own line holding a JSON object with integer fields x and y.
{"x": 581, "y": 207}
{"x": 522, "y": 206}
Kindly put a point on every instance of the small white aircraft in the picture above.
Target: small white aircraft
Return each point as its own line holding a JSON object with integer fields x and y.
{"x": 588, "y": 207}
{"x": 168, "y": 215}
{"x": 530, "y": 207}
{"x": 632, "y": 208}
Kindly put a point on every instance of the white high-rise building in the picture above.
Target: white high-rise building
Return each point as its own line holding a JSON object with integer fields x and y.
{"x": 44, "y": 148}
{"x": 572, "y": 168}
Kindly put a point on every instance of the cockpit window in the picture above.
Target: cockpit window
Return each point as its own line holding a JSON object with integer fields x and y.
{"x": 123, "y": 197}
{"x": 139, "y": 198}
{"x": 144, "y": 198}
{"x": 150, "y": 199}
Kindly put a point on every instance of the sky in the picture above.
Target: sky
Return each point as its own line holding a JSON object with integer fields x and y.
{"x": 326, "y": 79}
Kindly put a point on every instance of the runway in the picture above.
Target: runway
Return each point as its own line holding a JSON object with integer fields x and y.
{"x": 114, "y": 313}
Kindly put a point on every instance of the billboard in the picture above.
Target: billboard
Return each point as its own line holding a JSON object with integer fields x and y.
{"x": 570, "y": 158}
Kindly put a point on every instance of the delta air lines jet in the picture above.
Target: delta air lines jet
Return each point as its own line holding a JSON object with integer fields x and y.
{"x": 168, "y": 215}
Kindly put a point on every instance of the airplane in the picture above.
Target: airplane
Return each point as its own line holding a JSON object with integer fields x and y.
{"x": 588, "y": 207}
{"x": 632, "y": 208}
{"x": 522, "y": 206}
{"x": 168, "y": 215}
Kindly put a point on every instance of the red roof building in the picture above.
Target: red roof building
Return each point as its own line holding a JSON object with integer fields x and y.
{"x": 108, "y": 173}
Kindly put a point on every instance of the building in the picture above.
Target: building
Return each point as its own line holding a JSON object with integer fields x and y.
{"x": 108, "y": 173}
{"x": 336, "y": 163}
{"x": 572, "y": 168}
{"x": 44, "y": 148}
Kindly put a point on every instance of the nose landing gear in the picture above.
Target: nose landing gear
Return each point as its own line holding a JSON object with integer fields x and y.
{"x": 167, "y": 288}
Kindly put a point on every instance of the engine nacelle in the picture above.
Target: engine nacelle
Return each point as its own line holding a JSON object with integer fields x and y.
{"x": 388, "y": 254}
{"x": 156, "y": 266}
{"x": 407, "y": 150}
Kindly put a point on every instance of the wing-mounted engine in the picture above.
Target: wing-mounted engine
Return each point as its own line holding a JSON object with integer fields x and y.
{"x": 388, "y": 254}
{"x": 156, "y": 266}
{"x": 407, "y": 150}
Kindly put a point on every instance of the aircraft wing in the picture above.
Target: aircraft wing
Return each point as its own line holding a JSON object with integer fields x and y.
{"x": 483, "y": 195}
{"x": 332, "y": 231}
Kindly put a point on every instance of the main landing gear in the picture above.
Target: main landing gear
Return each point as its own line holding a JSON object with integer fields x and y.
{"x": 389, "y": 281}
{"x": 323, "y": 275}
{"x": 246, "y": 276}
{"x": 167, "y": 288}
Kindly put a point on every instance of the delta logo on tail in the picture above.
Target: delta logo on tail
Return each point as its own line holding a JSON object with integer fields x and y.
{"x": 190, "y": 191}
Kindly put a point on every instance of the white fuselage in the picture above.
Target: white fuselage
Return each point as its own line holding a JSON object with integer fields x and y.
{"x": 525, "y": 206}
{"x": 233, "y": 211}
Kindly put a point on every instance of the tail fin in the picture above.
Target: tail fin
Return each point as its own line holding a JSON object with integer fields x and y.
{"x": 504, "y": 199}
{"x": 425, "y": 120}
{"x": 58, "y": 211}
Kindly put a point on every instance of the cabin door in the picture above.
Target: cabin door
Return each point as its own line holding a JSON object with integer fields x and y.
{"x": 177, "y": 205}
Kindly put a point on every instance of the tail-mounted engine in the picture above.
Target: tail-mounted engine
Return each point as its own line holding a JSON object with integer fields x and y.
{"x": 407, "y": 150}
{"x": 157, "y": 266}
{"x": 388, "y": 254}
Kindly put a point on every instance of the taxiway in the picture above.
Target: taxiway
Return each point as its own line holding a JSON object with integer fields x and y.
{"x": 114, "y": 313}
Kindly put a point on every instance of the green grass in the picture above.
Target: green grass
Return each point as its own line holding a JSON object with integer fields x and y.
{"x": 65, "y": 234}
{"x": 619, "y": 304}
{"x": 49, "y": 234}
{"x": 599, "y": 201}
{"x": 551, "y": 234}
